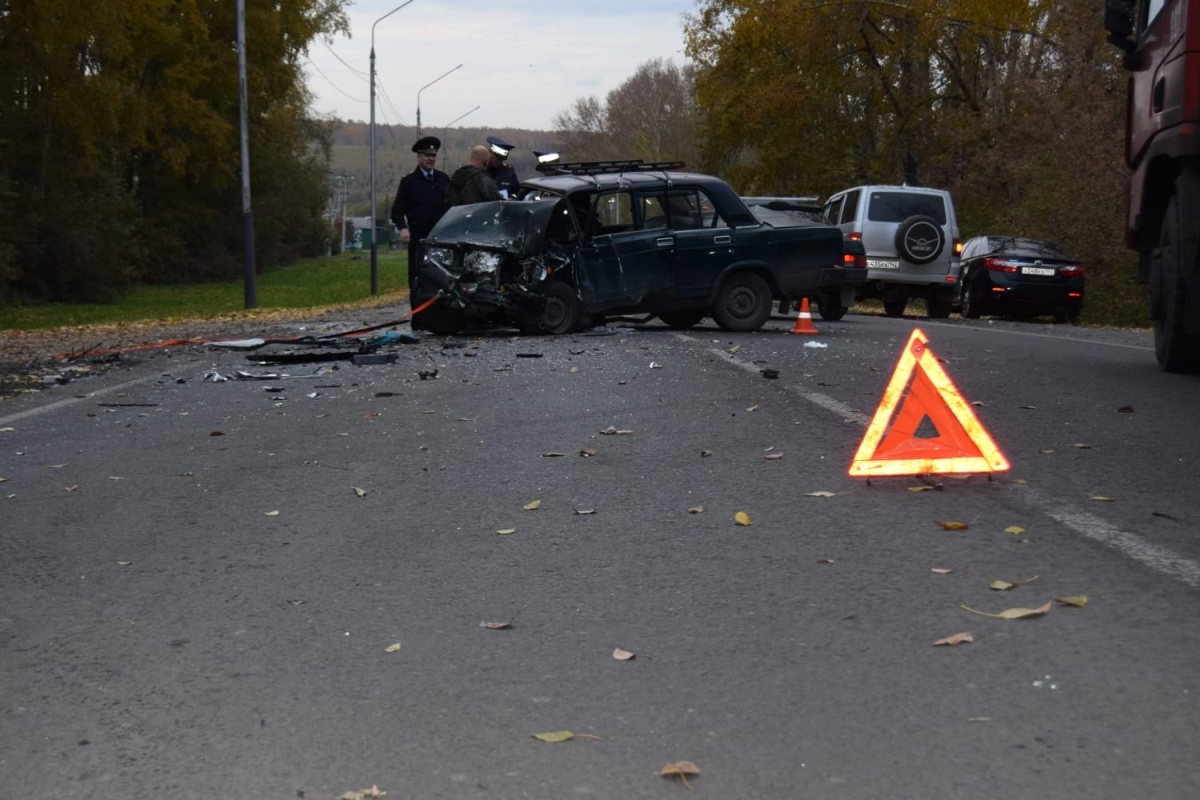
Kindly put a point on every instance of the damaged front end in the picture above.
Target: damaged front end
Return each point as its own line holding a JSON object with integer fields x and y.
{"x": 488, "y": 263}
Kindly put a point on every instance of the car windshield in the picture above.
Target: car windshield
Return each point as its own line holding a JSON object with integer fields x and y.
{"x": 899, "y": 206}
{"x": 1033, "y": 248}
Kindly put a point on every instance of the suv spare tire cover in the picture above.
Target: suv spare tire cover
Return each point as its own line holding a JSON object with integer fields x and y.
{"x": 920, "y": 239}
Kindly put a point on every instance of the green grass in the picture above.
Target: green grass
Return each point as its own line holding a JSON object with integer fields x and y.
{"x": 311, "y": 283}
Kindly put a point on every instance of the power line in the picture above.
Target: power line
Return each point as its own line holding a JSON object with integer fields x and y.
{"x": 345, "y": 63}
{"x": 313, "y": 64}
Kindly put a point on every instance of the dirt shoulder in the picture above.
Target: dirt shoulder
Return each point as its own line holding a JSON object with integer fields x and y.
{"x": 32, "y": 360}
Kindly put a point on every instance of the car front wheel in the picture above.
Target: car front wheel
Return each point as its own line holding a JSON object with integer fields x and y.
{"x": 831, "y": 308}
{"x": 895, "y": 306}
{"x": 970, "y": 299}
{"x": 743, "y": 304}
{"x": 562, "y": 311}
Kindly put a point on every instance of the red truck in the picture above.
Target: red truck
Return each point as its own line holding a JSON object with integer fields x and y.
{"x": 1161, "y": 42}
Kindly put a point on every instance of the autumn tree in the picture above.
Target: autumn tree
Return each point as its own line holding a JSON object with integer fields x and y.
{"x": 652, "y": 115}
{"x": 121, "y": 120}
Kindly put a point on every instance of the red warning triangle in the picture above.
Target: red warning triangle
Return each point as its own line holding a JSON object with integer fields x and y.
{"x": 891, "y": 445}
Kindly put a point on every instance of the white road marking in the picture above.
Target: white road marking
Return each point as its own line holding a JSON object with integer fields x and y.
{"x": 1130, "y": 545}
{"x": 1057, "y": 338}
{"x": 69, "y": 401}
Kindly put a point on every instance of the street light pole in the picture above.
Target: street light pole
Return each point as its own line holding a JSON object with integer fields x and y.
{"x": 374, "y": 236}
{"x": 423, "y": 88}
{"x": 451, "y": 122}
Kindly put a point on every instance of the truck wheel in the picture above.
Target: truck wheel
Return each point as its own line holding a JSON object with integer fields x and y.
{"x": 1175, "y": 349}
{"x": 831, "y": 307}
{"x": 743, "y": 304}
{"x": 682, "y": 319}
{"x": 894, "y": 307}
{"x": 562, "y": 311}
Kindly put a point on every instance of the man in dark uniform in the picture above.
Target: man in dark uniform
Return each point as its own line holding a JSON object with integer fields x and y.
{"x": 420, "y": 203}
{"x": 504, "y": 176}
{"x": 471, "y": 182}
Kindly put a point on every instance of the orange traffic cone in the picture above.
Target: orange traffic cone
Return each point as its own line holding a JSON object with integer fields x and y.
{"x": 804, "y": 323}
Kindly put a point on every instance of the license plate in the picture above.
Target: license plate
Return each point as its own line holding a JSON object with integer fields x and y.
{"x": 879, "y": 263}
{"x": 1036, "y": 271}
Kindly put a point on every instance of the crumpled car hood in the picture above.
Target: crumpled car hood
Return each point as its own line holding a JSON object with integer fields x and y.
{"x": 514, "y": 226}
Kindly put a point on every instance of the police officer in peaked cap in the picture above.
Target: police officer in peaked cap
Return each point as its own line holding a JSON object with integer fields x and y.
{"x": 503, "y": 174}
{"x": 420, "y": 202}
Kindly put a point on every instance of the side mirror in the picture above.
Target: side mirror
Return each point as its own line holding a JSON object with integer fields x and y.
{"x": 1118, "y": 21}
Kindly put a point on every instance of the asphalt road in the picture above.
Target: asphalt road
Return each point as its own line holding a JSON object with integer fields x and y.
{"x": 191, "y": 615}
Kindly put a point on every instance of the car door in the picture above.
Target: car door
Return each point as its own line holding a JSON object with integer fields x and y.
{"x": 625, "y": 269}
{"x": 703, "y": 245}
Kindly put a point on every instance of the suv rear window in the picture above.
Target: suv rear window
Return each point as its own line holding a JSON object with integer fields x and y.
{"x": 899, "y": 206}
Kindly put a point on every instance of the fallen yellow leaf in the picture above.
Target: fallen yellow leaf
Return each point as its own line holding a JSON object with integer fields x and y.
{"x": 957, "y": 638}
{"x": 272, "y": 514}
{"x": 742, "y": 518}
{"x": 920, "y": 488}
{"x": 941, "y": 570}
{"x": 1015, "y": 530}
{"x": 506, "y": 531}
{"x": 821, "y": 494}
{"x": 554, "y": 737}
{"x": 680, "y": 769}
{"x": 124, "y": 563}
{"x": 1077, "y": 600}
{"x": 1013, "y": 613}
{"x": 1099, "y": 498}
{"x": 1001, "y": 586}
{"x": 534, "y": 506}
{"x": 953, "y": 526}
{"x": 392, "y": 648}
{"x": 773, "y": 456}
{"x": 753, "y": 407}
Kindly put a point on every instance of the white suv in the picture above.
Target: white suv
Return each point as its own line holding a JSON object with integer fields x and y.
{"x": 911, "y": 237}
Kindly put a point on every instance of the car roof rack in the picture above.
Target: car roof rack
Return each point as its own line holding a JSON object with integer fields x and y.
{"x": 609, "y": 167}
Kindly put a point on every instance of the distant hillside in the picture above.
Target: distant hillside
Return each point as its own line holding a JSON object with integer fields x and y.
{"x": 394, "y": 156}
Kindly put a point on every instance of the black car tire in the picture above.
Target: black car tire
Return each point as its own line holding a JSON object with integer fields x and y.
{"x": 1175, "y": 349}
{"x": 920, "y": 239}
{"x": 831, "y": 308}
{"x": 970, "y": 299}
{"x": 939, "y": 303}
{"x": 441, "y": 319}
{"x": 894, "y": 307}
{"x": 682, "y": 319}
{"x": 743, "y": 304}
{"x": 562, "y": 311}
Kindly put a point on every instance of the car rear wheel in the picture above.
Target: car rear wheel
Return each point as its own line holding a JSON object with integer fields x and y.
{"x": 831, "y": 308}
{"x": 743, "y": 304}
{"x": 562, "y": 311}
{"x": 970, "y": 299}
{"x": 939, "y": 303}
{"x": 894, "y": 307}
{"x": 682, "y": 319}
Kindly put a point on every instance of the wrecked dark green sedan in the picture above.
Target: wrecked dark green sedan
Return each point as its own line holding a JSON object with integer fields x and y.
{"x": 598, "y": 240}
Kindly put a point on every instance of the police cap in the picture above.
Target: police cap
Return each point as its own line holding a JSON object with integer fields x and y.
{"x": 499, "y": 146}
{"x": 428, "y": 144}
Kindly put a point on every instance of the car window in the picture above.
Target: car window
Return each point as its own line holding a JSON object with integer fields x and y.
{"x": 899, "y": 206}
{"x": 833, "y": 209}
{"x": 613, "y": 212}
{"x": 851, "y": 208}
{"x": 691, "y": 209}
{"x": 971, "y": 248}
{"x": 709, "y": 217}
{"x": 654, "y": 215}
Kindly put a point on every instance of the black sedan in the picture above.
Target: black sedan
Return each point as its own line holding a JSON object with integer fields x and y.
{"x": 1015, "y": 276}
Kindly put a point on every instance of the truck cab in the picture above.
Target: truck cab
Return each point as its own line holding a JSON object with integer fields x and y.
{"x": 1161, "y": 44}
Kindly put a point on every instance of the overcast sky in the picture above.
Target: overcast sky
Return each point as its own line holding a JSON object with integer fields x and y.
{"x": 523, "y": 61}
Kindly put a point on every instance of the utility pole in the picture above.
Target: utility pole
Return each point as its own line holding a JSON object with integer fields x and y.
{"x": 248, "y": 270}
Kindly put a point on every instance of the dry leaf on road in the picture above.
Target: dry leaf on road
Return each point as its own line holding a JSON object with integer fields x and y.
{"x": 622, "y": 655}
{"x": 1012, "y": 613}
{"x": 1076, "y": 600}
{"x": 821, "y": 494}
{"x": 1101, "y": 498}
{"x": 1001, "y": 586}
{"x": 773, "y": 456}
{"x": 956, "y": 639}
{"x": 953, "y": 526}
{"x": 392, "y": 648}
{"x": 1015, "y": 530}
{"x": 554, "y": 737}
{"x": 941, "y": 570}
{"x": 506, "y": 531}
{"x": 533, "y": 506}
{"x": 753, "y": 407}
{"x": 920, "y": 488}
{"x": 583, "y": 512}
{"x": 742, "y": 518}
{"x": 272, "y": 514}
{"x": 696, "y": 510}
{"x": 680, "y": 769}
{"x": 360, "y": 492}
